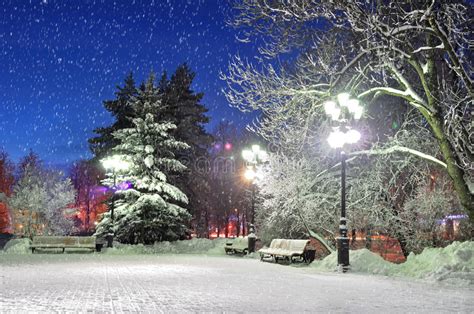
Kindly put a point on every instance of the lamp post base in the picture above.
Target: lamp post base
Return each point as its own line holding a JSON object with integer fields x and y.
{"x": 110, "y": 239}
{"x": 343, "y": 247}
{"x": 343, "y": 253}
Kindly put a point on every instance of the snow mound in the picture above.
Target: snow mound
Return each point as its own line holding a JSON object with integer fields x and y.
{"x": 365, "y": 261}
{"x": 362, "y": 261}
{"x": 18, "y": 246}
{"x": 193, "y": 246}
{"x": 454, "y": 264}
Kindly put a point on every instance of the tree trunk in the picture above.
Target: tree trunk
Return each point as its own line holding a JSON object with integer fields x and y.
{"x": 456, "y": 173}
{"x": 238, "y": 224}
{"x": 403, "y": 245}
{"x": 88, "y": 209}
{"x": 206, "y": 223}
{"x": 226, "y": 230}
{"x": 436, "y": 122}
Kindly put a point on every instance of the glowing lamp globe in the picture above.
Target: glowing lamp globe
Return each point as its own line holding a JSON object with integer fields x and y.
{"x": 247, "y": 155}
{"x": 343, "y": 99}
{"x": 336, "y": 139}
{"x": 352, "y": 136}
{"x": 250, "y": 174}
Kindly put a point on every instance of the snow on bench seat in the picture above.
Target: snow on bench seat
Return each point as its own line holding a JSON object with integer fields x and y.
{"x": 237, "y": 245}
{"x": 288, "y": 249}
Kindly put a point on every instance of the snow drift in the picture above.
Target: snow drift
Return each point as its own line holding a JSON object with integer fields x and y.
{"x": 193, "y": 246}
{"x": 17, "y": 246}
{"x": 454, "y": 263}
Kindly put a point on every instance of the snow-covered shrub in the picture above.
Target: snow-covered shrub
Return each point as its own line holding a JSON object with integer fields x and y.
{"x": 419, "y": 221}
{"x": 18, "y": 246}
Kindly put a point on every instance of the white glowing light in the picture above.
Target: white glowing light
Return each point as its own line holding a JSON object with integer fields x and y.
{"x": 250, "y": 174}
{"x": 115, "y": 163}
{"x": 262, "y": 156}
{"x": 255, "y": 155}
{"x": 335, "y": 114}
{"x": 358, "y": 112}
{"x": 343, "y": 98}
{"x": 255, "y": 148}
{"x": 247, "y": 155}
{"x": 352, "y": 136}
{"x": 332, "y": 110}
{"x": 336, "y": 139}
{"x": 352, "y": 105}
{"x": 329, "y": 106}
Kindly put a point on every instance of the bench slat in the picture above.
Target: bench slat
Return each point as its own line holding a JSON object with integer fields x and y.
{"x": 63, "y": 242}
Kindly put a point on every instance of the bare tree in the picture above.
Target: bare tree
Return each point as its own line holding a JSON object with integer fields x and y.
{"x": 415, "y": 51}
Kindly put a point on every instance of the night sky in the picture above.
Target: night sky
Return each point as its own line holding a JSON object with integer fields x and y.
{"x": 60, "y": 59}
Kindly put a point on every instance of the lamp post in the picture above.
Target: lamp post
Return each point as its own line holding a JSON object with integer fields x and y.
{"x": 342, "y": 111}
{"x": 116, "y": 164}
{"x": 253, "y": 157}
{"x": 250, "y": 175}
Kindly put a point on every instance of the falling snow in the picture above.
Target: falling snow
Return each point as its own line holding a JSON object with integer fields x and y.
{"x": 61, "y": 59}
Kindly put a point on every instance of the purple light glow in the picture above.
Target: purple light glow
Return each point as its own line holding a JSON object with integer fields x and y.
{"x": 124, "y": 186}
{"x": 100, "y": 189}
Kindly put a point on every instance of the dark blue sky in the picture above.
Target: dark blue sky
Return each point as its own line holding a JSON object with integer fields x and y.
{"x": 60, "y": 59}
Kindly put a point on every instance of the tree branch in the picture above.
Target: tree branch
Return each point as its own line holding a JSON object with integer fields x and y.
{"x": 401, "y": 149}
{"x": 458, "y": 68}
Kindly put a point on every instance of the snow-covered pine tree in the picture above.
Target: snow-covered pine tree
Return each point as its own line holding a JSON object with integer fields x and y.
{"x": 102, "y": 144}
{"x": 182, "y": 107}
{"x": 150, "y": 211}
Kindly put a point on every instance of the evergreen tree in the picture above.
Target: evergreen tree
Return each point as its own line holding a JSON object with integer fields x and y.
{"x": 123, "y": 113}
{"x": 149, "y": 211}
{"x": 182, "y": 107}
{"x": 6, "y": 174}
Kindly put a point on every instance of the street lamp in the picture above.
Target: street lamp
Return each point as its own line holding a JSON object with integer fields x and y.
{"x": 116, "y": 164}
{"x": 253, "y": 157}
{"x": 340, "y": 136}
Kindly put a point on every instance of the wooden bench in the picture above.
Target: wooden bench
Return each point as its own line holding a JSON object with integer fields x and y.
{"x": 237, "y": 246}
{"x": 290, "y": 250}
{"x": 62, "y": 242}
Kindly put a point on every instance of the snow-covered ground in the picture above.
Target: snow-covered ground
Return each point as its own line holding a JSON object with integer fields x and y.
{"x": 453, "y": 264}
{"x": 113, "y": 282}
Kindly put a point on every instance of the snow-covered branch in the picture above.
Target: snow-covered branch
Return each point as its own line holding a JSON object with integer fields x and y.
{"x": 399, "y": 149}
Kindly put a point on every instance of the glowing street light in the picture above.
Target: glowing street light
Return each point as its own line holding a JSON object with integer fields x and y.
{"x": 253, "y": 157}
{"x": 250, "y": 174}
{"x": 337, "y": 138}
{"x": 344, "y": 101}
{"x": 115, "y": 163}
{"x": 340, "y": 136}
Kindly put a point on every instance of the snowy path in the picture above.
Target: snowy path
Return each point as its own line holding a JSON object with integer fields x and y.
{"x": 180, "y": 283}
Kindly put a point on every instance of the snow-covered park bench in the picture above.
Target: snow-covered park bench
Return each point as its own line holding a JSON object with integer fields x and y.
{"x": 237, "y": 246}
{"x": 289, "y": 250}
{"x": 62, "y": 242}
